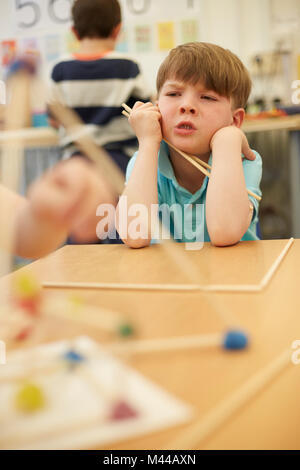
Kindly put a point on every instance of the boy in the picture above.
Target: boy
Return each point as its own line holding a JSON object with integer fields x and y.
{"x": 202, "y": 91}
{"x": 63, "y": 201}
{"x": 96, "y": 80}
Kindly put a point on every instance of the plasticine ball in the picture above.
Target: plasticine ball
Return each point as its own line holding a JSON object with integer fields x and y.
{"x": 27, "y": 293}
{"x": 121, "y": 411}
{"x": 76, "y": 303}
{"x": 24, "y": 333}
{"x": 125, "y": 330}
{"x": 73, "y": 359}
{"x": 29, "y": 398}
{"x": 234, "y": 340}
{"x": 26, "y": 286}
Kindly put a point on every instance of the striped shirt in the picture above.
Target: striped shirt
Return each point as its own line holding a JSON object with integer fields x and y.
{"x": 95, "y": 87}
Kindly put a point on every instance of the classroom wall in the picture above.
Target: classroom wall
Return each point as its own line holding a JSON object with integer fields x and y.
{"x": 247, "y": 27}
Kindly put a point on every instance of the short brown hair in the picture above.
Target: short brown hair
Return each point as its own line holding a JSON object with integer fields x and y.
{"x": 218, "y": 69}
{"x": 95, "y": 18}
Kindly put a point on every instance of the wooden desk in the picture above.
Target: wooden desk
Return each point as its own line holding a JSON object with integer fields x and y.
{"x": 201, "y": 377}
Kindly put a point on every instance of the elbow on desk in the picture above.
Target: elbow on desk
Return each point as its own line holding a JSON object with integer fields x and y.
{"x": 224, "y": 242}
{"x": 139, "y": 242}
{"x": 136, "y": 243}
{"x": 222, "y": 238}
{"x": 227, "y": 234}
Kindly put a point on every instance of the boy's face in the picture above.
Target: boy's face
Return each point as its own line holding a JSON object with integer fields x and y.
{"x": 191, "y": 115}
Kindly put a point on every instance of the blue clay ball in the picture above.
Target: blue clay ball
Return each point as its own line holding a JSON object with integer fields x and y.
{"x": 73, "y": 357}
{"x": 235, "y": 340}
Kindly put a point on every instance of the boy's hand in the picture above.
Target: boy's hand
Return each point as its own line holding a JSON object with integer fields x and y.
{"x": 145, "y": 121}
{"x": 67, "y": 197}
{"x": 231, "y": 134}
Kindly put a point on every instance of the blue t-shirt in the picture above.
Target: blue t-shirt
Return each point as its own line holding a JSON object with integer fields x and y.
{"x": 187, "y": 210}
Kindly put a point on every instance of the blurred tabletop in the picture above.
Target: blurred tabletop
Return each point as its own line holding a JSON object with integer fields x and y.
{"x": 288, "y": 123}
{"x": 200, "y": 377}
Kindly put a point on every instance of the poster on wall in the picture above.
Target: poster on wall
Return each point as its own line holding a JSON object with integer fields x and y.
{"x": 123, "y": 44}
{"x": 52, "y": 47}
{"x": 189, "y": 31}
{"x": 143, "y": 41}
{"x": 166, "y": 35}
{"x": 8, "y": 52}
{"x": 29, "y": 46}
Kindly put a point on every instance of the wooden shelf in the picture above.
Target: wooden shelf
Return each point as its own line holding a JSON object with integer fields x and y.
{"x": 288, "y": 123}
{"x": 31, "y": 137}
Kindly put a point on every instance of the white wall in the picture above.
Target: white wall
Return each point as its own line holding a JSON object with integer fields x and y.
{"x": 6, "y": 19}
{"x": 244, "y": 26}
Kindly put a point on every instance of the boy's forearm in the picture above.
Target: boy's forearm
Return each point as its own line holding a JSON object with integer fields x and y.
{"x": 141, "y": 189}
{"x": 35, "y": 237}
{"x": 227, "y": 203}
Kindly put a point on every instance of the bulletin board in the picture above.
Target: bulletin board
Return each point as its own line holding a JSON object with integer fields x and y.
{"x": 150, "y": 29}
